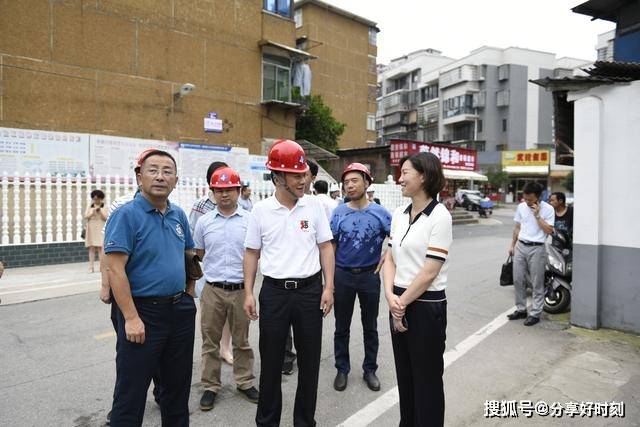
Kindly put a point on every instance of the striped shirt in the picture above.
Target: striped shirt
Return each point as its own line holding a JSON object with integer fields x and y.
{"x": 199, "y": 208}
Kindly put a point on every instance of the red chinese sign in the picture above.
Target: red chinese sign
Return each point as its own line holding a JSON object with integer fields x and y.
{"x": 450, "y": 156}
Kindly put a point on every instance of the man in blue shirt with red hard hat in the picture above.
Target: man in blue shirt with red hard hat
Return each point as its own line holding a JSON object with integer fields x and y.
{"x": 290, "y": 235}
{"x": 145, "y": 244}
{"x": 359, "y": 228}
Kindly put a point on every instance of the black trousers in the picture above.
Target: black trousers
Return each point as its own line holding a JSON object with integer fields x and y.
{"x": 366, "y": 286}
{"x": 418, "y": 355}
{"x": 114, "y": 322}
{"x": 280, "y": 309}
{"x": 167, "y": 351}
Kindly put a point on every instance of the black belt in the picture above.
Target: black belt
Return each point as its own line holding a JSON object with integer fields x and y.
{"x": 290, "y": 284}
{"x": 530, "y": 243}
{"x": 359, "y": 270}
{"x": 431, "y": 296}
{"x": 227, "y": 286}
{"x": 170, "y": 299}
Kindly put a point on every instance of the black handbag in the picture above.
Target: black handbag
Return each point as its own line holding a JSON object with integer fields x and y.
{"x": 506, "y": 277}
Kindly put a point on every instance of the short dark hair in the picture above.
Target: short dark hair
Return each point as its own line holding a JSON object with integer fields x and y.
{"x": 562, "y": 198}
{"x": 97, "y": 193}
{"x": 156, "y": 153}
{"x": 429, "y": 165}
{"x": 532, "y": 187}
{"x": 313, "y": 167}
{"x": 212, "y": 168}
{"x": 321, "y": 186}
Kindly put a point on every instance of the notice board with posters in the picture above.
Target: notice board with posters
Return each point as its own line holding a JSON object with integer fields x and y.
{"x": 195, "y": 159}
{"x": 117, "y": 155}
{"x": 451, "y": 157}
{"x": 29, "y": 151}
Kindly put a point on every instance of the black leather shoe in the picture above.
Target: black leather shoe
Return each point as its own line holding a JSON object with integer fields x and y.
{"x": 340, "y": 383}
{"x": 517, "y": 315}
{"x": 287, "y": 368}
{"x": 531, "y": 321}
{"x": 251, "y": 394}
{"x": 207, "y": 400}
{"x": 372, "y": 381}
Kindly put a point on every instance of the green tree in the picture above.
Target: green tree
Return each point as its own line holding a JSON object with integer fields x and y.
{"x": 318, "y": 126}
{"x": 497, "y": 177}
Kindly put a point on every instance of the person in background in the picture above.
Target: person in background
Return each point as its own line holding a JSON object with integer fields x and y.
{"x": 534, "y": 222}
{"x": 203, "y": 205}
{"x": 219, "y": 242}
{"x": 359, "y": 228}
{"x": 1, "y": 269}
{"x": 370, "y": 192}
{"x": 563, "y": 214}
{"x": 321, "y": 187}
{"x": 245, "y": 197}
{"x": 96, "y": 216}
{"x": 415, "y": 279}
{"x": 334, "y": 193}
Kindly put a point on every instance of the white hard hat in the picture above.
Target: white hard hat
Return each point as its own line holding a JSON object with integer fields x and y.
{"x": 334, "y": 187}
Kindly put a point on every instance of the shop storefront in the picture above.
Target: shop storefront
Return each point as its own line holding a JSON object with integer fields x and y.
{"x": 525, "y": 166}
{"x": 459, "y": 164}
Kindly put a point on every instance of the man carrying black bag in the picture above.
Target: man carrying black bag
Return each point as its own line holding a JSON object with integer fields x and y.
{"x": 506, "y": 277}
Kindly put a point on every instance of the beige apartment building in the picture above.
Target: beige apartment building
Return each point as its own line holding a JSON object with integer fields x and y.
{"x": 344, "y": 72}
{"x": 117, "y": 67}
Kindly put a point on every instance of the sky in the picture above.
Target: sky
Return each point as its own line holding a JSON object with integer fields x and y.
{"x": 456, "y": 27}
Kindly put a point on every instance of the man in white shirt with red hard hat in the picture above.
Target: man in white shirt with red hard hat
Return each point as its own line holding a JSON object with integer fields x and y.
{"x": 290, "y": 235}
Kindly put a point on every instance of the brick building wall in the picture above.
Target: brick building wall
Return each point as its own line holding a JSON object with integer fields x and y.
{"x": 112, "y": 67}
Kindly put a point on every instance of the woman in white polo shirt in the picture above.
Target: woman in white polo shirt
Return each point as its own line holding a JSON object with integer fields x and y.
{"x": 415, "y": 277}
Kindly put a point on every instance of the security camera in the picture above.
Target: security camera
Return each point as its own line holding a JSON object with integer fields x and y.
{"x": 187, "y": 88}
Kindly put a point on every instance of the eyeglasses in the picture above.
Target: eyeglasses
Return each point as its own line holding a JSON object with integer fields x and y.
{"x": 155, "y": 172}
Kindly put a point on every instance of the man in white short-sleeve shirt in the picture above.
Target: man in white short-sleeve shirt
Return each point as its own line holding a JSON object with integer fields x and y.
{"x": 534, "y": 222}
{"x": 290, "y": 235}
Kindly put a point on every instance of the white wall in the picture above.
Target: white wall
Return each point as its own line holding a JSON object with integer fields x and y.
{"x": 607, "y": 166}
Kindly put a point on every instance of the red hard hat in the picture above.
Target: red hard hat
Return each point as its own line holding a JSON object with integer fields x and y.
{"x": 357, "y": 167}
{"x": 143, "y": 156}
{"x": 225, "y": 178}
{"x": 287, "y": 156}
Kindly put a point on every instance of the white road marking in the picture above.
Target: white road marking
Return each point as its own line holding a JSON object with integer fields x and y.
{"x": 375, "y": 409}
{"x": 105, "y": 335}
{"x": 44, "y": 288}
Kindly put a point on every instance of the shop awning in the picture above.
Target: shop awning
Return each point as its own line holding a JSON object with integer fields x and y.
{"x": 524, "y": 170}
{"x": 291, "y": 51}
{"x": 464, "y": 175}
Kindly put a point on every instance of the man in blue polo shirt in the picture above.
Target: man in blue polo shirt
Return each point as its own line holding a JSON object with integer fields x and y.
{"x": 145, "y": 244}
{"x": 359, "y": 228}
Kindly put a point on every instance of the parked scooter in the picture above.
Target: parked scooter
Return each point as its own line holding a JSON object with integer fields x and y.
{"x": 558, "y": 274}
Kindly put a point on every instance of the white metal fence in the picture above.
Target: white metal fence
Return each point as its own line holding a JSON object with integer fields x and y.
{"x": 50, "y": 209}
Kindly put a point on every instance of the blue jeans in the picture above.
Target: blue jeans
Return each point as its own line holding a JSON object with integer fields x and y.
{"x": 166, "y": 352}
{"x": 366, "y": 286}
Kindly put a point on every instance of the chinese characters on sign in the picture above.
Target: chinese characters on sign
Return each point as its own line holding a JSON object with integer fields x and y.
{"x": 527, "y": 408}
{"x": 451, "y": 157}
{"x": 525, "y": 158}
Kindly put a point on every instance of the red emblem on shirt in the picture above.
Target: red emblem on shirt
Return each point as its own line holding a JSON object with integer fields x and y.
{"x": 304, "y": 224}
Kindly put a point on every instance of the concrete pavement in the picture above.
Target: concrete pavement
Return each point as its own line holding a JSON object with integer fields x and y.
{"x": 57, "y": 356}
